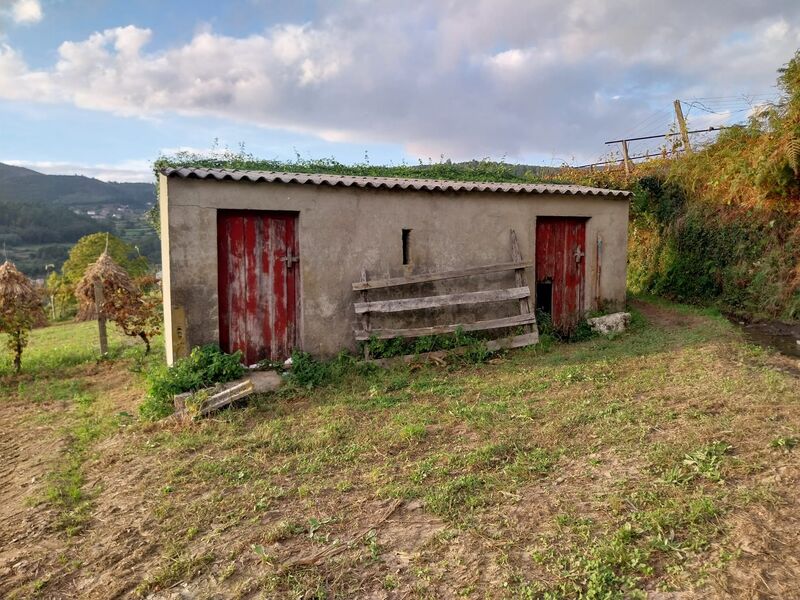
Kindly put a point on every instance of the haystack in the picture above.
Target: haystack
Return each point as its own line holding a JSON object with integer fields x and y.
{"x": 20, "y": 310}
{"x": 114, "y": 279}
{"x": 17, "y": 292}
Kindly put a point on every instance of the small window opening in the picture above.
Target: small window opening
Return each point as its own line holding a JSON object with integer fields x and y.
{"x": 544, "y": 297}
{"x": 406, "y": 247}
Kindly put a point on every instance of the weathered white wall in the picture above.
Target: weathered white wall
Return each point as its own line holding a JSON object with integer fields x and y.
{"x": 342, "y": 230}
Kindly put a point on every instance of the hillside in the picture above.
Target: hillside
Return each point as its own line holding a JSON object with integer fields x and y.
{"x": 721, "y": 225}
{"x": 21, "y": 184}
{"x": 42, "y": 216}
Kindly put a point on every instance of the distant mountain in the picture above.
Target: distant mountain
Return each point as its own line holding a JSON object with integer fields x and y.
{"x": 42, "y": 216}
{"x": 18, "y": 184}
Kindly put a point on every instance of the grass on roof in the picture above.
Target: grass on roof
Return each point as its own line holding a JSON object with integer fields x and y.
{"x": 476, "y": 170}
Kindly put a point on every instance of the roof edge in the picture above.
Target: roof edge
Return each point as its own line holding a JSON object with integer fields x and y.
{"x": 376, "y": 182}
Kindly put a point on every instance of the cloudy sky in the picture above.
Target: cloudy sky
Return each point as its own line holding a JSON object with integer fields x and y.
{"x": 102, "y": 87}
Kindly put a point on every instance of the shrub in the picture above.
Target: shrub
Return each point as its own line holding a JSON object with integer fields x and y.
{"x": 205, "y": 366}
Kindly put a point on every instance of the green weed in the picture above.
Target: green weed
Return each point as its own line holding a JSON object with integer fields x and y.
{"x": 205, "y": 366}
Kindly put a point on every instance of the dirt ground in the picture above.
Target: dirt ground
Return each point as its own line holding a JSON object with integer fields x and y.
{"x": 28, "y": 452}
{"x": 136, "y": 538}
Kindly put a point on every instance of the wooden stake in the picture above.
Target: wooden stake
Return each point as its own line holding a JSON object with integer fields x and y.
{"x": 519, "y": 276}
{"x": 99, "y": 301}
{"x": 598, "y": 257}
{"x": 682, "y": 125}
{"x": 625, "y": 157}
{"x": 365, "y": 316}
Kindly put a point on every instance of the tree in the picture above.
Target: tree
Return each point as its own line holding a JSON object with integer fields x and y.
{"x": 89, "y": 248}
{"x": 137, "y": 314}
{"x": 20, "y": 309}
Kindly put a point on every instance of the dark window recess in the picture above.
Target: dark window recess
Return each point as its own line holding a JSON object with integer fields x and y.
{"x": 544, "y": 297}
{"x": 406, "y": 247}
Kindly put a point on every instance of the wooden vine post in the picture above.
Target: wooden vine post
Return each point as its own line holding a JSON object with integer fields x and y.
{"x": 365, "y": 316}
{"x": 521, "y": 280}
{"x": 99, "y": 301}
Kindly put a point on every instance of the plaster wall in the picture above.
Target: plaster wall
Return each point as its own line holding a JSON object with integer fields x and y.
{"x": 343, "y": 230}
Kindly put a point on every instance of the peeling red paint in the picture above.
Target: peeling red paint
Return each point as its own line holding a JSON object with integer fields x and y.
{"x": 258, "y": 275}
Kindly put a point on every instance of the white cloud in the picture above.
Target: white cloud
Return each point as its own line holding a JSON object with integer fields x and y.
{"x": 473, "y": 78}
{"x": 26, "y": 11}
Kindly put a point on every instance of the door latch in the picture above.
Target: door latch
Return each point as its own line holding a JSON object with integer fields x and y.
{"x": 579, "y": 254}
{"x": 290, "y": 259}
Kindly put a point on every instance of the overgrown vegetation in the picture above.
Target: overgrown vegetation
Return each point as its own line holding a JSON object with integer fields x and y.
{"x": 721, "y": 225}
{"x": 310, "y": 372}
{"x": 477, "y": 170}
{"x": 204, "y": 367}
{"x": 471, "y": 347}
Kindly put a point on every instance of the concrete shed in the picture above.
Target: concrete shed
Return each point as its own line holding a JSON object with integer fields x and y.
{"x": 266, "y": 262}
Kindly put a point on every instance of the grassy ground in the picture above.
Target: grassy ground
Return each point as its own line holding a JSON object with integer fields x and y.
{"x": 660, "y": 460}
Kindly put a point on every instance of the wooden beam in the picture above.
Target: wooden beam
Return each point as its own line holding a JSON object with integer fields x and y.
{"x": 520, "y": 279}
{"x": 441, "y": 275}
{"x": 387, "y": 334}
{"x": 682, "y": 125}
{"x": 365, "y": 316}
{"x": 626, "y": 159}
{"x": 388, "y": 306}
{"x": 517, "y": 341}
{"x": 100, "y": 302}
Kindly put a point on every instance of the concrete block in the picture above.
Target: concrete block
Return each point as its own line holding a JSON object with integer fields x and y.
{"x": 613, "y": 323}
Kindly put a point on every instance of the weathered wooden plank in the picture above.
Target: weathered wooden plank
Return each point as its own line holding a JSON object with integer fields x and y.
{"x": 387, "y": 306}
{"x": 215, "y": 397}
{"x": 365, "y": 316}
{"x": 517, "y": 341}
{"x": 223, "y": 394}
{"x": 386, "y": 334}
{"x": 439, "y": 276}
{"x": 519, "y": 277}
{"x": 225, "y": 397}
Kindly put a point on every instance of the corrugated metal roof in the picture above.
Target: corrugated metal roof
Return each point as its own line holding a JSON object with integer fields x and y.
{"x": 388, "y": 183}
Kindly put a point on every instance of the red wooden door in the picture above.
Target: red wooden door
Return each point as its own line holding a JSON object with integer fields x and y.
{"x": 560, "y": 268}
{"x": 258, "y": 283}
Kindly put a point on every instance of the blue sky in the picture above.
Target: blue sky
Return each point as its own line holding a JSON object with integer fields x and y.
{"x": 103, "y": 87}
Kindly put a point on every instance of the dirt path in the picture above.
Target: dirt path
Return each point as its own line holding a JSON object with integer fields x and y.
{"x": 29, "y": 450}
{"x": 665, "y": 317}
{"x": 668, "y": 318}
{"x": 764, "y": 538}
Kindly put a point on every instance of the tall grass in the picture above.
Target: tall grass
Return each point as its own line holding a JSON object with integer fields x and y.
{"x": 721, "y": 225}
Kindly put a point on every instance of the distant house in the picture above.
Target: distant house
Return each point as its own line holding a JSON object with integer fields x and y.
{"x": 266, "y": 262}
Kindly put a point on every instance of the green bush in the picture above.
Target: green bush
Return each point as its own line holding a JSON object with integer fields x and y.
{"x": 205, "y": 366}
